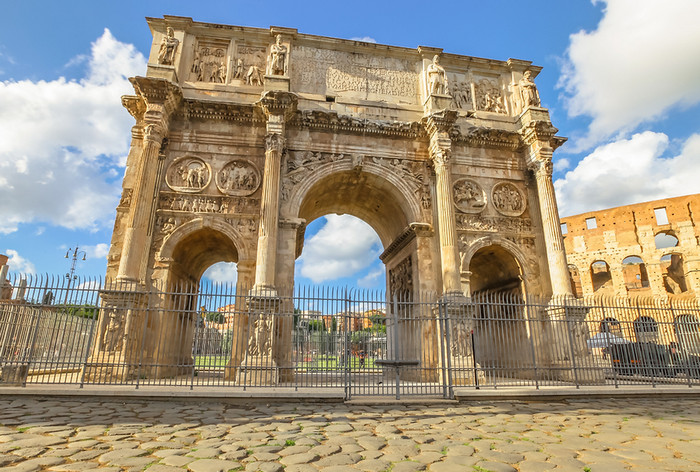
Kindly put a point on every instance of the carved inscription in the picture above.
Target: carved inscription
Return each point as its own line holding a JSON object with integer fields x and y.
{"x": 316, "y": 70}
{"x": 469, "y": 197}
{"x": 239, "y": 177}
{"x": 508, "y": 199}
{"x": 188, "y": 174}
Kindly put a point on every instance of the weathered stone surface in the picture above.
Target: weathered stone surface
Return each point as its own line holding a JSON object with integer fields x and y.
{"x": 212, "y": 465}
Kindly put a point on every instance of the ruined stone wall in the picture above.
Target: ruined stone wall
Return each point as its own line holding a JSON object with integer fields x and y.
{"x": 646, "y": 249}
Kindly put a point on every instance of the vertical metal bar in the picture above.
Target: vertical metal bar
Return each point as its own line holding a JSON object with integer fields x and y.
{"x": 31, "y": 349}
{"x": 448, "y": 357}
{"x": 571, "y": 344}
{"x": 395, "y": 315}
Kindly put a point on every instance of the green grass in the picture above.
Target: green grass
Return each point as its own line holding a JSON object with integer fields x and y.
{"x": 203, "y": 362}
{"x": 289, "y": 442}
{"x": 333, "y": 363}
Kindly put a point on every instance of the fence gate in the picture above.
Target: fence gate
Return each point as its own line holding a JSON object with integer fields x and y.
{"x": 397, "y": 351}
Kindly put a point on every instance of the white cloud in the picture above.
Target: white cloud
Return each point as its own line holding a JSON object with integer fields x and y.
{"x": 222, "y": 272}
{"x": 641, "y": 61}
{"x": 365, "y": 39}
{"x": 372, "y": 278}
{"x": 561, "y": 164}
{"x": 629, "y": 171}
{"x": 18, "y": 263}
{"x": 344, "y": 246}
{"x": 60, "y": 142}
{"x": 98, "y": 251}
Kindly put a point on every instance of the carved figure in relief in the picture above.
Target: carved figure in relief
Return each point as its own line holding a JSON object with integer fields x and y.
{"x": 507, "y": 199}
{"x": 437, "y": 79}
{"x": 468, "y": 195}
{"x": 489, "y": 97}
{"x": 209, "y": 65}
{"x": 254, "y": 76}
{"x": 166, "y": 54}
{"x": 260, "y": 343}
{"x": 168, "y": 226}
{"x": 239, "y": 69}
{"x": 462, "y": 95}
{"x": 277, "y": 64}
{"x": 238, "y": 178}
{"x": 528, "y": 91}
{"x": 460, "y": 339}
{"x": 112, "y": 338}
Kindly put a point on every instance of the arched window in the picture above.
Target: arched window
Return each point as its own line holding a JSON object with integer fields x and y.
{"x": 600, "y": 276}
{"x": 611, "y": 325}
{"x": 673, "y": 273}
{"x": 634, "y": 272}
{"x": 665, "y": 239}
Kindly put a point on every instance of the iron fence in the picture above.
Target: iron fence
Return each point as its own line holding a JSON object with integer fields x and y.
{"x": 93, "y": 331}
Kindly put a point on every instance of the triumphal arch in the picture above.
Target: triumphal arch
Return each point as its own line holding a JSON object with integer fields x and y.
{"x": 243, "y": 136}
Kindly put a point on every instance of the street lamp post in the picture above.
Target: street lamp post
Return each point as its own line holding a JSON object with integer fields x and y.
{"x": 70, "y": 275}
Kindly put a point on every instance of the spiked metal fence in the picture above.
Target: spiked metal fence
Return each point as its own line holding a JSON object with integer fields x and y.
{"x": 54, "y": 330}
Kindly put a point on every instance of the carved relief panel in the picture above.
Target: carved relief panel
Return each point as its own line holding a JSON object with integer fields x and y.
{"x": 508, "y": 199}
{"x": 250, "y": 64}
{"x": 239, "y": 177}
{"x": 188, "y": 174}
{"x": 401, "y": 280}
{"x": 209, "y": 63}
{"x": 489, "y": 96}
{"x": 468, "y": 196}
{"x": 461, "y": 92}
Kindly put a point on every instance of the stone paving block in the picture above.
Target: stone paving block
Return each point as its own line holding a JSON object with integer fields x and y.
{"x": 164, "y": 468}
{"x": 535, "y": 466}
{"x": 338, "y": 459}
{"x": 177, "y": 461}
{"x": 303, "y": 458}
{"x": 496, "y": 466}
{"x": 212, "y": 465}
{"x": 407, "y": 466}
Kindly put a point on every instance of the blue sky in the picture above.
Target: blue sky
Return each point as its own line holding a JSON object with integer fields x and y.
{"x": 621, "y": 79}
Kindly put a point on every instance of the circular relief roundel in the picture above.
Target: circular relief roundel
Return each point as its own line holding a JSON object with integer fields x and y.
{"x": 188, "y": 174}
{"x": 239, "y": 177}
{"x": 468, "y": 196}
{"x": 508, "y": 199}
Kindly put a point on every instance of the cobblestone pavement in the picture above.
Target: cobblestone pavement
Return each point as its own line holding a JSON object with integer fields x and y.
{"x": 597, "y": 435}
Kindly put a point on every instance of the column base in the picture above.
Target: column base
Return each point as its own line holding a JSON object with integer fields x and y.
{"x": 257, "y": 371}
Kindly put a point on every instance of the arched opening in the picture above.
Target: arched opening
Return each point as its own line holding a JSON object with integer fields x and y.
{"x": 646, "y": 329}
{"x": 634, "y": 273}
{"x": 673, "y": 273}
{"x": 611, "y": 325}
{"x": 380, "y": 328}
{"x": 195, "y": 329}
{"x": 687, "y": 328}
{"x": 601, "y": 278}
{"x": 665, "y": 239}
{"x": 575, "y": 279}
{"x": 500, "y": 334}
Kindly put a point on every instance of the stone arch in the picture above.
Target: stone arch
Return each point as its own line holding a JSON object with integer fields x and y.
{"x": 366, "y": 182}
{"x": 687, "y": 328}
{"x": 666, "y": 239}
{"x": 673, "y": 273}
{"x": 601, "y": 276}
{"x": 634, "y": 273}
{"x": 575, "y": 280}
{"x": 509, "y": 247}
{"x": 218, "y": 242}
{"x": 646, "y": 329}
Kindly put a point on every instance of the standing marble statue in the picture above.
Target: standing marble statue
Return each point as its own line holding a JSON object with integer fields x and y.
{"x": 166, "y": 54}
{"x": 278, "y": 58}
{"x": 437, "y": 79}
{"x": 528, "y": 91}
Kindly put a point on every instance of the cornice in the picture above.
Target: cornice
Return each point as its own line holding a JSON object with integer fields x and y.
{"x": 221, "y": 111}
{"x": 158, "y": 91}
{"x": 331, "y": 121}
{"x": 479, "y": 136}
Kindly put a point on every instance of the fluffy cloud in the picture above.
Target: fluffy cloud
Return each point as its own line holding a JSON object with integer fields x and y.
{"x": 98, "y": 251}
{"x": 223, "y": 272}
{"x": 373, "y": 277}
{"x": 18, "y": 263}
{"x": 629, "y": 171}
{"x": 641, "y": 61}
{"x": 63, "y": 143}
{"x": 344, "y": 246}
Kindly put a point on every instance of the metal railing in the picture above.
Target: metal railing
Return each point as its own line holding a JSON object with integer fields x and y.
{"x": 99, "y": 332}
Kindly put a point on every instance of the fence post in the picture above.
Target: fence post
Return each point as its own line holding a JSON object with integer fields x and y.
{"x": 95, "y": 321}
{"x": 567, "y": 325}
{"x": 346, "y": 346}
{"x": 531, "y": 331}
{"x": 31, "y": 349}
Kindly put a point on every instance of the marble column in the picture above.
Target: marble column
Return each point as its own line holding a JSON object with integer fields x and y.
{"x": 438, "y": 126}
{"x": 276, "y": 105}
{"x": 136, "y": 234}
{"x": 553, "y": 239}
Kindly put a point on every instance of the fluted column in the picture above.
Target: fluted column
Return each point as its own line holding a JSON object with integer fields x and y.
{"x": 276, "y": 105}
{"x": 438, "y": 126}
{"x": 553, "y": 239}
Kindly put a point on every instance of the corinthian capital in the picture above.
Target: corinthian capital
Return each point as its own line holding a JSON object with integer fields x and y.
{"x": 153, "y": 133}
{"x": 541, "y": 167}
{"x": 274, "y": 142}
{"x": 441, "y": 157}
